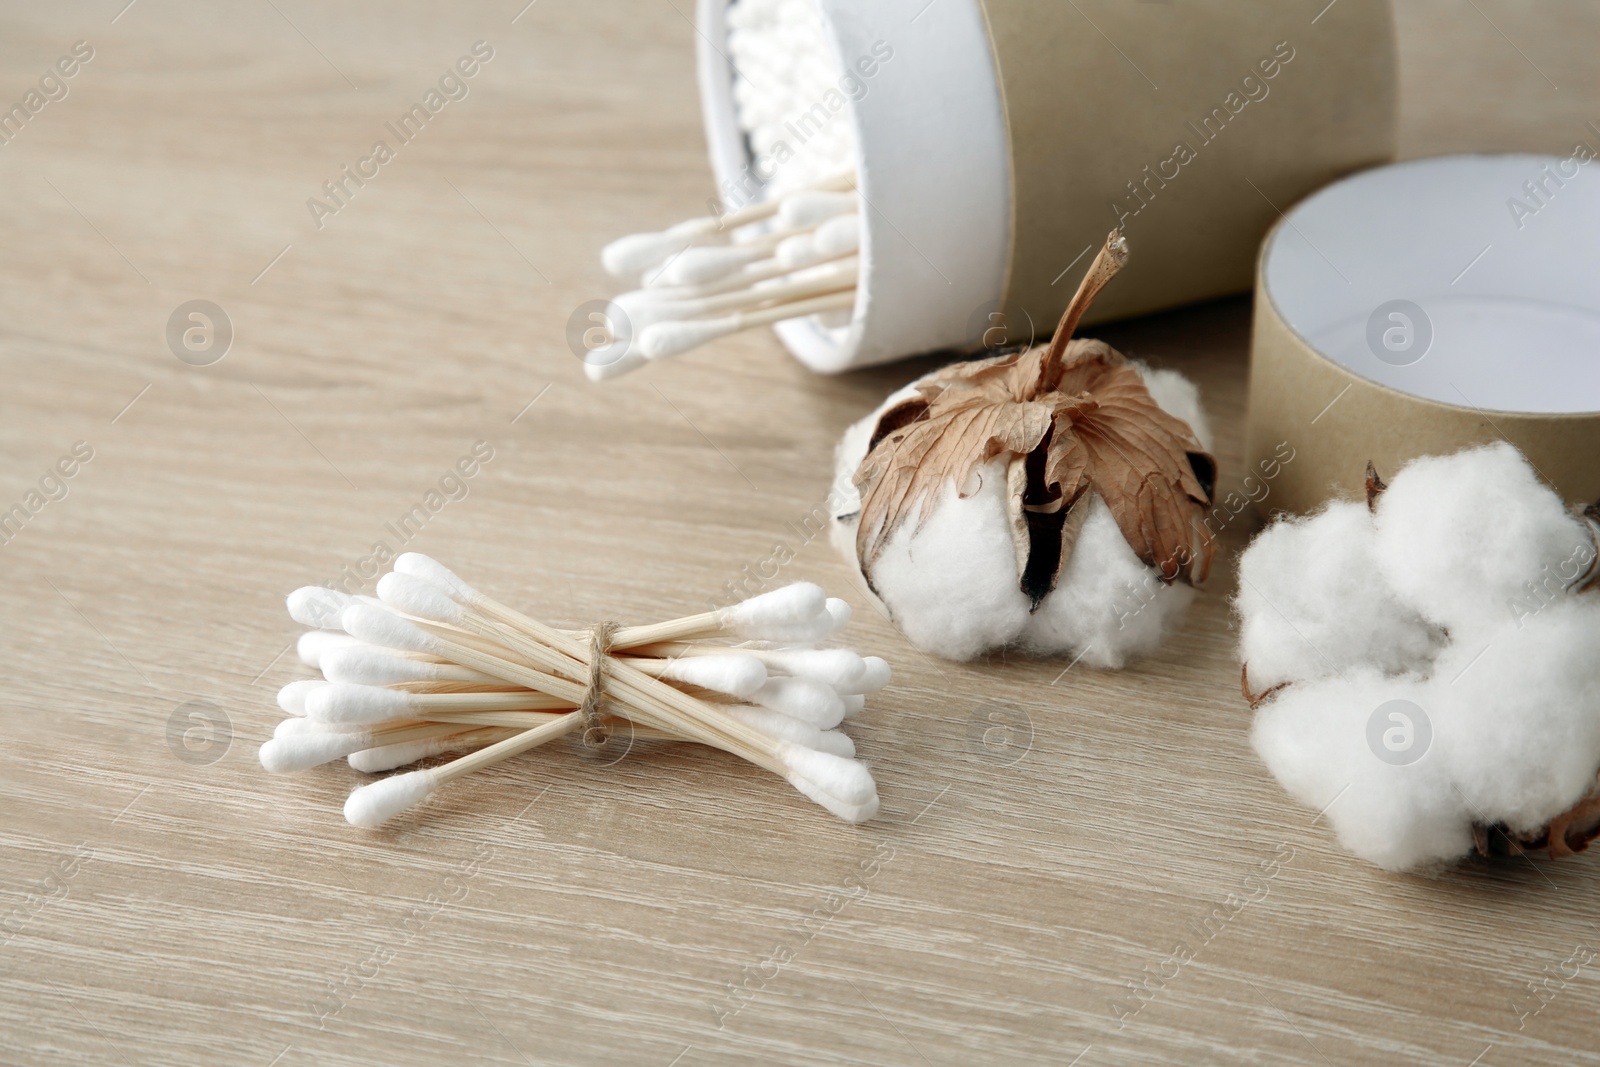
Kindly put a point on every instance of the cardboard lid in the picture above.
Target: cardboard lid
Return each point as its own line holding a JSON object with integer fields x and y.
{"x": 1425, "y": 307}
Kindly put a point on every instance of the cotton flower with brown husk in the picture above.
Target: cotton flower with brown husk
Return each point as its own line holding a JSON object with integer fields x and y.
{"x": 1052, "y": 498}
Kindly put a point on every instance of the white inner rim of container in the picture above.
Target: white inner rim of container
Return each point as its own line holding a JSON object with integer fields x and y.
{"x": 932, "y": 165}
{"x": 1497, "y": 261}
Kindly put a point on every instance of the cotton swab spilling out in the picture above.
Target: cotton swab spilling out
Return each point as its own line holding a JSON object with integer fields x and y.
{"x": 431, "y": 667}
{"x": 706, "y": 278}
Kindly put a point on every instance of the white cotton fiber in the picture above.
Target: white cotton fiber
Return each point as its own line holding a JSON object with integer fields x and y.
{"x": 1312, "y": 602}
{"x": 1458, "y": 536}
{"x": 1314, "y": 737}
{"x": 1523, "y": 734}
{"x": 1502, "y": 721}
{"x": 951, "y": 585}
{"x": 1108, "y": 606}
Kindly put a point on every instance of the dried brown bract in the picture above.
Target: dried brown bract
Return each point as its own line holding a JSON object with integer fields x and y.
{"x": 1070, "y": 417}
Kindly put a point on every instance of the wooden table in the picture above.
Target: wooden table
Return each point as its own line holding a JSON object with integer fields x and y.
{"x": 167, "y": 902}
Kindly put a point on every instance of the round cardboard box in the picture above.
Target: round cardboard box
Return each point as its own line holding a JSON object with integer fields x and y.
{"x": 1421, "y": 308}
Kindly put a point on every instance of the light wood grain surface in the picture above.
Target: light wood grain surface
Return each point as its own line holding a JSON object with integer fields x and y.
{"x": 677, "y": 907}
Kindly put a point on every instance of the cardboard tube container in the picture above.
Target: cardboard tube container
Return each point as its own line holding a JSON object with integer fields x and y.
{"x": 1002, "y": 139}
{"x": 1423, "y": 308}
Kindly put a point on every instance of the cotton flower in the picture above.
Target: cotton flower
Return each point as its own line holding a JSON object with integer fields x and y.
{"x": 952, "y": 587}
{"x": 1427, "y": 668}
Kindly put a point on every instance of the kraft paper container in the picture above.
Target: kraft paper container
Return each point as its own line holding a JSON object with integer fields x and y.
{"x": 1003, "y": 139}
{"x": 1422, "y": 308}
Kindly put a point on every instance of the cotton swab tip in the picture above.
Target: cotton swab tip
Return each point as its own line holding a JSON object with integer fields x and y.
{"x": 341, "y": 702}
{"x": 666, "y": 339}
{"x": 804, "y": 698}
{"x": 633, "y": 253}
{"x": 365, "y": 665}
{"x": 379, "y": 626}
{"x": 695, "y": 266}
{"x": 301, "y": 752}
{"x": 314, "y": 644}
{"x": 837, "y": 236}
{"x": 371, "y": 806}
{"x": 417, "y": 597}
{"x": 735, "y": 675}
{"x": 791, "y": 605}
{"x": 836, "y": 743}
{"x": 843, "y": 779}
{"x": 317, "y": 606}
{"x": 838, "y": 667}
{"x": 428, "y": 569}
{"x": 293, "y": 725}
{"x": 292, "y": 697}
{"x": 874, "y": 678}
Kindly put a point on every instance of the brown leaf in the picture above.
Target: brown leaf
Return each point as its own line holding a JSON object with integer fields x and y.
{"x": 1088, "y": 421}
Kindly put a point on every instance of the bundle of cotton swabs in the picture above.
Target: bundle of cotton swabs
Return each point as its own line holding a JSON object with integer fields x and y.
{"x": 433, "y": 666}
{"x": 709, "y": 277}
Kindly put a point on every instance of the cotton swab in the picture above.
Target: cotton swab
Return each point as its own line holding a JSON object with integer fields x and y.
{"x": 367, "y": 665}
{"x": 674, "y": 338}
{"x": 645, "y": 310}
{"x": 810, "y": 208}
{"x": 661, "y": 705}
{"x": 836, "y": 237}
{"x": 370, "y": 806}
{"x": 710, "y": 281}
{"x": 317, "y": 606}
{"x": 314, "y": 644}
{"x": 388, "y": 757}
{"x": 637, "y": 251}
{"x": 292, "y": 697}
{"x": 432, "y": 666}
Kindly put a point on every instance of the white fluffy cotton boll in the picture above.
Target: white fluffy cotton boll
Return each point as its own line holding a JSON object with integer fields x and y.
{"x": 1518, "y": 721}
{"x": 1109, "y": 607}
{"x": 1313, "y": 601}
{"x": 1313, "y": 736}
{"x": 1459, "y": 536}
{"x": 951, "y": 586}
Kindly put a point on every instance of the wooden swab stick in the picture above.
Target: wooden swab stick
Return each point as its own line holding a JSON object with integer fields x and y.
{"x": 700, "y": 264}
{"x": 757, "y": 296}
{"x": 373, "y": 805}
{"x": 666, "y": 339}
{"x": 842, "y": 786}
{"x": 761, "y": 271}
{"x": 639, "y": 250}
